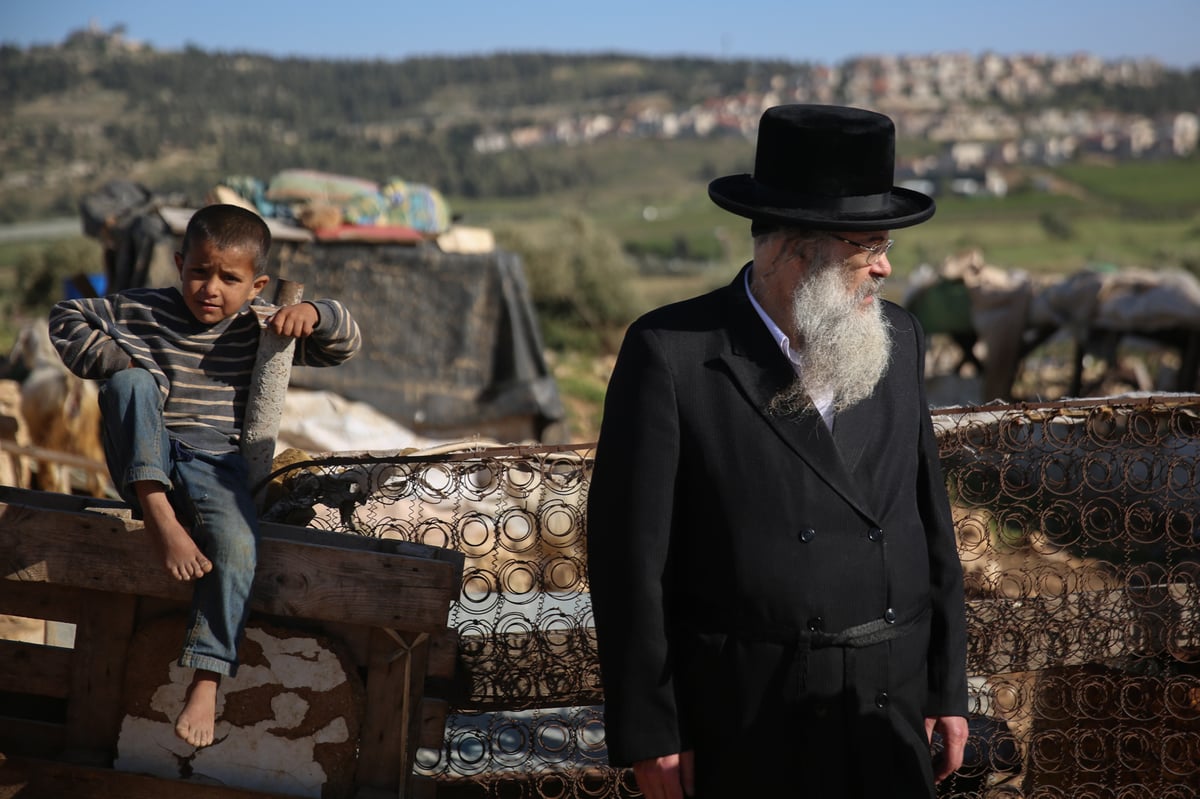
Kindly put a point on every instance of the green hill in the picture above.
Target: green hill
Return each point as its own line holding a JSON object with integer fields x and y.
{"x": 96, "y": 108}
{"x": 607, "y": 224}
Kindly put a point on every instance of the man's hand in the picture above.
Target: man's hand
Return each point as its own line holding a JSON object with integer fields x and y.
{"x": 295, "y": 321}
{"x": 666, "y": 777}
{"x": 954, "y": 733}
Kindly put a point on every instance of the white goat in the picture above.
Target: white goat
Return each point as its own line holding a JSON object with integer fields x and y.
{"x": 60, "y": 411}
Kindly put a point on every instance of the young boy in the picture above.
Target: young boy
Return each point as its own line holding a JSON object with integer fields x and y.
{"x": 176, "y": 366}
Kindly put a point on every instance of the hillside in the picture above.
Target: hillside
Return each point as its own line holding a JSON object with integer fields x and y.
{"x": 594, "y": 168}
{"x": 504, "y": 126}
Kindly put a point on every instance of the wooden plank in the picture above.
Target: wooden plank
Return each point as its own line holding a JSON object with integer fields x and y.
{"x": 395, "y": 680}
{"x": 418, "y": 661}
{"x": 102, "y": 641}
{"x": 433, "y": 713}
{"x": 55, "y": 500}
{"x": 422, "y": 788}
{"x": 30, "y": 778}
{"x": 332, "y": 583}
{"x": 285, "y": 532}
{"x": 34, "y": 669}
{"x": 443, "y": 654}
{"x": 354, "y": 637}
{"x": 391, "y": 546}
{"x": 29, "y": 737}
{"x": 346, "y": 583}
{"x": 54, "y": 456}
{"x": 387, "y": 677}
{"x": 39, "y": 601}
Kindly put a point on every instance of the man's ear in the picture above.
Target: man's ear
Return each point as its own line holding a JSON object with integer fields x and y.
{"x": 179, "y": 263}
{"x": 259, "y": 284}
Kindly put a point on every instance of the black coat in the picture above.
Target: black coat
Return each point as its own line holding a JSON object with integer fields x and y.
{"x": 727, "y": 547}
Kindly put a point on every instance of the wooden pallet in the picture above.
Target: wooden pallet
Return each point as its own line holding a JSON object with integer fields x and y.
{"x": 87, "y": 562}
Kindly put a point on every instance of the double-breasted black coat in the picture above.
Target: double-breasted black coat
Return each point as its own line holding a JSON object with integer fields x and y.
{"x": 785, "y": 601}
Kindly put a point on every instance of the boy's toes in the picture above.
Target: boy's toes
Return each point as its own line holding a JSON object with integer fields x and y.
{"x": 201, "y": 567}
{"x": 193, "y": 736}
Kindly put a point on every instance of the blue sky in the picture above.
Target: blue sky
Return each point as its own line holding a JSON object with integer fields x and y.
{"x": 825, "y": 32}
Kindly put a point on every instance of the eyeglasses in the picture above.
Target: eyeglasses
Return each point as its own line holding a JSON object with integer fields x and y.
{"x": 875, "y": 252}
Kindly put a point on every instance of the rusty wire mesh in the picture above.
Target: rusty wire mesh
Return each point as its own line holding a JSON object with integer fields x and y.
{"x": 1079, "y": 533}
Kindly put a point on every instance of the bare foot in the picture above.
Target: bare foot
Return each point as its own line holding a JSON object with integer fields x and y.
{"x": 199, "y": 715}
{"x": 181, "y": 557}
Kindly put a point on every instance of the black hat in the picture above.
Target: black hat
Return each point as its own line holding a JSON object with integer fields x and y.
{"x": 823, "y": 167}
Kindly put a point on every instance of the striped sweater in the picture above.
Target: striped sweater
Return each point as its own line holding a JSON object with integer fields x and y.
{"x": 203, "y": 371}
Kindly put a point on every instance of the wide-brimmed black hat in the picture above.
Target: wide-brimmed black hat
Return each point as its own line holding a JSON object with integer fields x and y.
{"x": 823, "y": 167}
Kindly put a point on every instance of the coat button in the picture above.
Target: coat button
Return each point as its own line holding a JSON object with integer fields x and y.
{"x": 881, "y": 699}
{"x": 889, "y": 616}
{"x": 807, "y": 534}
{"x": 875, "y": 534}
{"x": 816, "y": 624}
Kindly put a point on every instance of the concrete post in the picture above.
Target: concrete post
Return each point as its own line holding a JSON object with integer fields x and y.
{"x": 268, "y": 388}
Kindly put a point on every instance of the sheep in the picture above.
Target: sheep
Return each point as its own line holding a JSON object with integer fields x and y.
{"x": 61, "y": 411}
{"x": 14, "y": 471}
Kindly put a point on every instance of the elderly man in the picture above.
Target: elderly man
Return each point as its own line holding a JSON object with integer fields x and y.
{"x": 777, "y": 595}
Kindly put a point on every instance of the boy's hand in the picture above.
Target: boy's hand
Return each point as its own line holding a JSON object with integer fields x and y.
{"x": 295, "y": 321}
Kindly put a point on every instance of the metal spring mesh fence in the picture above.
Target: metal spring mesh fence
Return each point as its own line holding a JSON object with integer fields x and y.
{"x": 1079, "y": 532}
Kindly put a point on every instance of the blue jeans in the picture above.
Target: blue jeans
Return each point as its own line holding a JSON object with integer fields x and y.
{"x": 211, "y": 497}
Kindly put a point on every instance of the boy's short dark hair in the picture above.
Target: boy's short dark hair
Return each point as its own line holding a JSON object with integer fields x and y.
{"x": 225, "y": 226}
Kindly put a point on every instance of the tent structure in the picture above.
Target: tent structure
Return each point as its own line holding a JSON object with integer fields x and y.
{"x": 451, "y": 345}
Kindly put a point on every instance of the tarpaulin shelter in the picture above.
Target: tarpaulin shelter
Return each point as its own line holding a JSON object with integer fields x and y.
{"x": 451, "y": 345}
{"x": 1012, "y": 313}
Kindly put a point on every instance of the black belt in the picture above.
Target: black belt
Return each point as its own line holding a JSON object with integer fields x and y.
{"x": 868, "y": 633}
{"x": 801, "y": 642}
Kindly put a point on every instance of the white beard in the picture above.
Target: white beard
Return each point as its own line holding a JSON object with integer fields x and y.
{"x": 845, "y": 347}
